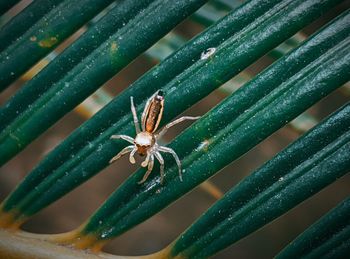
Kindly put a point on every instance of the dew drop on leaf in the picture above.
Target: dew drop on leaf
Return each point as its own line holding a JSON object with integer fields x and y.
{"x": 207, "y": 53}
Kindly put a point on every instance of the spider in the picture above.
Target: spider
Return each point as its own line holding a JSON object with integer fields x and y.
{"x": 145, "y": 142}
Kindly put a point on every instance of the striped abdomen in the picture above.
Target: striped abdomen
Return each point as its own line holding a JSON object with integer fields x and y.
{"x": 153, "y": 112}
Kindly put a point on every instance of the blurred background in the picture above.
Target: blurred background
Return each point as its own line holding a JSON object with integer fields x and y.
{"x": 157, "y": 232}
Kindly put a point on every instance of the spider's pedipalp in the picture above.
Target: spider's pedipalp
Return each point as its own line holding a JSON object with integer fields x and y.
{"x": 161, "y": 168}
{"x": 121, "y": 153}
{"x": 146, "y": 161}
{"x": 125, "y": 137}
{"x": 131, "y": 156}
{"x": 149, "y": 169}
{"x": 173, "y": 123}
{"x": 169, "y": 150}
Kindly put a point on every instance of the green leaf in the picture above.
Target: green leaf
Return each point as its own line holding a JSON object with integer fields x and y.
{"x": 19, "y": 24}
{"x": 88, "y": 149}
{"x": 329, "y": 237}
{"x": 234, "y": 127}
{"x": 258, "y": 109}
{"x": 152, "y": 81}
{"x": 46, "y": 34}
{"x": 305, "y": 167}
{"x": 210, "y": 13}
{"x": 98, "y": 67}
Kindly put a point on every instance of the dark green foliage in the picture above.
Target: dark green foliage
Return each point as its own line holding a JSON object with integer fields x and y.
{"x": 306, "y": 166}
{"x": 89, "y": 149}
{"x": 262, "y": 106}
{"x": 247, "y": 117}
{"x": 113, "y": 21}
{"x": 19, "y": 24}
{"x": 329, "y": 237}
{"x": 54, "y": 27}
{"x": 95, "y": 69}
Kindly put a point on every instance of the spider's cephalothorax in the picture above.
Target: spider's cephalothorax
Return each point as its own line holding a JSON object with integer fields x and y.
{"x": 145, "y": 142}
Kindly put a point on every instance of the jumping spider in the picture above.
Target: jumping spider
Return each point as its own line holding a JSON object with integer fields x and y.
{"x": 145, "y": 142}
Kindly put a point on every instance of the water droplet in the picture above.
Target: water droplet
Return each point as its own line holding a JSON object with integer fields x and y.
{"x": 203, "y": 146}
{"x": 207, "y": 53}
{"x": 99, "y": 148}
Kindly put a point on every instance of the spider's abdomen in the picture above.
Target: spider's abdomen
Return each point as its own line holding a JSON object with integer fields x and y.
{"x": 153, "y": 113}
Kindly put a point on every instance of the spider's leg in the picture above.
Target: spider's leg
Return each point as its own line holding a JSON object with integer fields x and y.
{"x": 161, "y": 162}
{"x": 131, "y": 156}
{"x": 121, "y": 153}
{"x": 169, "y": 125}
{"x": 169, "y": 150}
{"x": 149, "y": 169}
{"x": 134, "y": 115}
{"x": 125, "y": 137}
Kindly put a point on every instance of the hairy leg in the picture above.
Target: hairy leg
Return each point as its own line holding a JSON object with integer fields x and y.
{"x": 134, "y": 115}
{"x": 121, "y": 153}
{"x": 161, "y": 162}
{"x": 169, "y": 125}
{"x": 125, "y": 137}
{"x": 169, "y": 150}
{"x": 149, "y": 170}
{"x": 146, "y": 161}
{"x": 131, "y": 156}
